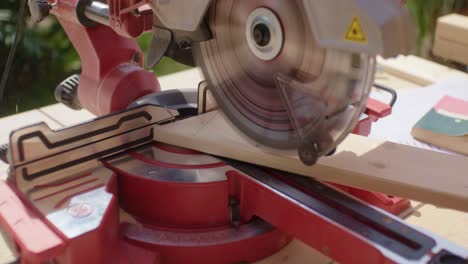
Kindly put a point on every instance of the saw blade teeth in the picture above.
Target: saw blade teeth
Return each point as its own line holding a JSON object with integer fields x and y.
{"x": 253, "y": 43}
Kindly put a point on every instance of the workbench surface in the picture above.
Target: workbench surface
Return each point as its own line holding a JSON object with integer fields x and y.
{"x": 401, "y": 73}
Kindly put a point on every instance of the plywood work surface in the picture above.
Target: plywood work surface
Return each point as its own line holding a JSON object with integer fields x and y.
{"x": 359, "y": 161}
{"x": 450, "y": 224}
{"x": 447, "y": 223}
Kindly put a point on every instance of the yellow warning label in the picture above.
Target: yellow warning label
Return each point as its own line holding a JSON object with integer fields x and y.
{"x": 355, "y": 32}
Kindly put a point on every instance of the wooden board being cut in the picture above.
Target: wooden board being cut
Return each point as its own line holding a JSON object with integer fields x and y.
{"x": 448, "y": 223}
{"x": 361, "y": 162}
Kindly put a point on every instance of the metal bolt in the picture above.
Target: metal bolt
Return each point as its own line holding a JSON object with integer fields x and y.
{"x": 136, "y": 12}
{"x": 184, "y": 44}
{"x": 308, "y": 153}
{"x": 331, "y": 152}
{"x": 235, "y": 211}
{"x": 136, "y": 57}
{"x": 325, "y": 250}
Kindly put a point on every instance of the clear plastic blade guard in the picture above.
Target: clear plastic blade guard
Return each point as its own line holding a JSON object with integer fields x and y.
{"x": 324, "y": 109}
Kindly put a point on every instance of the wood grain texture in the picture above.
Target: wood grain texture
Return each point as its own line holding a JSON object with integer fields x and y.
{"x": 450, "y": 224}
{"x": 296, "y": 252}
{"x": 359, "y": 161}
{"x": 453, "y": 51}
{"x": 10, "y": 123}
{"x": 188, "y": 79}
{"x": 66, "y": 116}
{"x": 451, "y": 38}
{"x": 7, "y": 253}
{"x": 417, "y": 70}
{"x": 398, "y": 84}
{"x": 453, "y": 27}
{"x": 438, "y": 220}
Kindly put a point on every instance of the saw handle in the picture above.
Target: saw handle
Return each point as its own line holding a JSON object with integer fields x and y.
{"x": 112, "y": 76}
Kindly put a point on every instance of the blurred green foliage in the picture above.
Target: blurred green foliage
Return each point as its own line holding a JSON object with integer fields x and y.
{"x": 425, "y": 14}
{"x": 166, "y": 65}
{"x": 43, "y": 59}
{"x": 45, "y": 56}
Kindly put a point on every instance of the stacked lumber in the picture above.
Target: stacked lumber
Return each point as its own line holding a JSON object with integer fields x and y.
{"x": 451, "y": 38}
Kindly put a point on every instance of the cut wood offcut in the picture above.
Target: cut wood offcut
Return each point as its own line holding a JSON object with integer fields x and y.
{"x": 361, "y": 162}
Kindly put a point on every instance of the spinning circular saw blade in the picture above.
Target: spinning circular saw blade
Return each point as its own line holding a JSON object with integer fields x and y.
{"x": 273, "y": 80}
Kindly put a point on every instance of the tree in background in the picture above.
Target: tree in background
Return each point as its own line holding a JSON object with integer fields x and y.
{"x": 45, "y": 56}
{"x": 43, "y": 59}
{"x": 425, "y": 14}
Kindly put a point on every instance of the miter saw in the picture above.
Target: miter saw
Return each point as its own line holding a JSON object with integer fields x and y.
{"x": 288, "y": 74}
